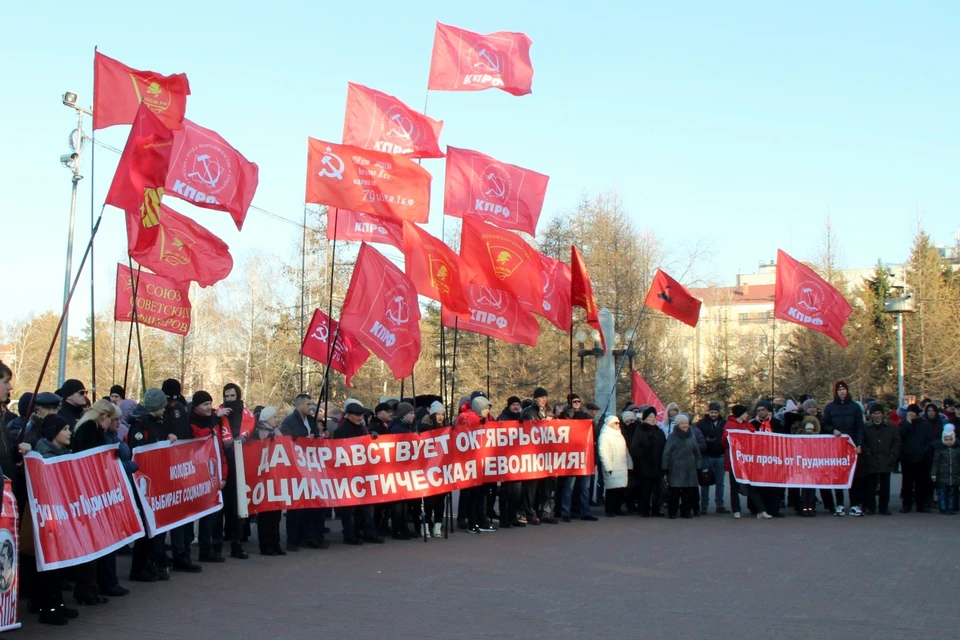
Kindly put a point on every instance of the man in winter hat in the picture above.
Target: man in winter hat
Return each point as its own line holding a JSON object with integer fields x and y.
{"x": 117, "y": 394}
{"x": 538, "y": 494}
{"x": 74, "y": 403}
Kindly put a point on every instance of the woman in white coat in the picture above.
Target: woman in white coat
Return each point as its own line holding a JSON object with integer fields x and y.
{"x": 616, "y": 463}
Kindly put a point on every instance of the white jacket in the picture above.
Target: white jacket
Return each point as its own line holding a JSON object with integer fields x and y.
{"x": 614, "y": 457}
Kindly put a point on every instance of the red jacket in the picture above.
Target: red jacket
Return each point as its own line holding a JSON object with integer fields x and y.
{"x": 468, "y": 418}
{"x": 200, "y": 431}
{"x": 248, "y": 423}
{"x": 732, "y": 424}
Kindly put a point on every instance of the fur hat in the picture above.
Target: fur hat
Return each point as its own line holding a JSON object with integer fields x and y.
{"x": 171, "y": 388}
{"x": 876, "y": 406}
{"x": 154, "y": 400}
{"x": 513, "y": 400}
{"x": 200, "y": 397}
{"x": 810, "y": 424}
{"x": 649, "y": 411}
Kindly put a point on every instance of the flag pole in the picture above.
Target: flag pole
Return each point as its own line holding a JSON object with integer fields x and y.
{"x": 136, "y": 323}
{"x": 325, "y": 389}
{"x": 488, "y": 366}
{"x": 325, "y": 384}
{"x": 93, "y": 318}
{"x": 66, "y": 305}
{"x": 773, "y": 360}
{"x": 453, "y": 371}
{"x": 303, "y": 287}
{"x": 570, "y": 363}
{"x": 126, "y": 364}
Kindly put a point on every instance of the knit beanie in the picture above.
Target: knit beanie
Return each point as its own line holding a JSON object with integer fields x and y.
{"x": 437, "y": 407}
{"x": 915, "y": 408}
{"x": 479, "y": 403}
{"x": 267, "y": 412}
{"x": 540, "y": 392}
{"x": 154, "y": 400}
{"x": 200, "y": 397}
{"x": 809, "y": 403}
{"x": 404, "y": 408}
{"x": 117, "y": 389}
{"x": 513, "y": 400}
{"x": 70, "y": 387}
{"x": 949, "y": 431}
{"x": 628, "y": 416}
{"x": 52, "y": 425}
{"x": 738, "y": 410}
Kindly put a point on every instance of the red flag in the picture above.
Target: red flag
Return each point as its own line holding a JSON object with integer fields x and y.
{"x": 161, "y": 302}
{"x": 182, "y": 250}
{"x": 807, "y": 299}
{"x": 467, "y": 61}
{"x": 348, "y": 354}
{"x": 555, "y": 305}
{"x": 118, "y": 90}
{"x": 370, "y": 181}
{"x": 669, "y": 296}
{"x": 357, "y": 226}
{"x": 375, "y": 120}
{"x": 381, "y": 309}
{"x": 500, "y": 260}
{"x": 137, "y": 186}
{"x": 643, "y": 394}
{"x": 435, "y": 269}
{"x": 581, "y": 292}
{"x": 208, "y": 172}
{"x": 497, "y": 314}
{"x": 504, "y": 194}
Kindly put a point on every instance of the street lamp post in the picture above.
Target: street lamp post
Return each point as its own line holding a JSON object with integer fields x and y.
{"x": 900, "y": 306}
{"x": 71, "y": 161}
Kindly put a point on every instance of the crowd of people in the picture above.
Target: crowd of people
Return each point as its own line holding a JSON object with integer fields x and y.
{"x": 647, "y": 466}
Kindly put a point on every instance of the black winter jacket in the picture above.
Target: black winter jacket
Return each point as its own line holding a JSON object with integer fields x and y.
{"x": 881, "y": 448}
{"x": 946, "y": 464}
{"x": 712, "y": 430}
{"x": 844, "y": 416}
{"x": 646, "y": 449}
{"x": 916, "y": 441}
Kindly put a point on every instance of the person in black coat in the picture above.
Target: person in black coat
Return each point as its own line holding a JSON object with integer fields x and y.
{"x": 434, "y": 505}
{"x": 304, "y": 526}
{"x": 358, "y": 526}
{"x": 917, "y": 437}
{"x": 711, "y": 426}
{"x": 646, "y": 449}
{"x": 75, "y": 401}
{"x": 400, "y": 510}
{"x": 772, "y": 497}
{"x": 843, "y": 417}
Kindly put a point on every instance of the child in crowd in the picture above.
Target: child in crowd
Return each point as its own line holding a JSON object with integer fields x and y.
{"x": 946, "y": 469}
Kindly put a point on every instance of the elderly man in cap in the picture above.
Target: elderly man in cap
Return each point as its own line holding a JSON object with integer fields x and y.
{"x": 538, "y": 494}
{"x": 357, "y": 522}
{"x": 74, "y": 403}
{"x": 711, "y": 425}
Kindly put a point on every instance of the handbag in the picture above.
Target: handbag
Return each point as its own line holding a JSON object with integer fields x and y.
{"x": 706, "y": 477}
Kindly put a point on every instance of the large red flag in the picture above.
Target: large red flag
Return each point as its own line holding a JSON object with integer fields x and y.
{"x": 208, "y": 172}
{"x": 555, "y": 305}
{"x": 435, "y": 269}
{"x": 118, "y": 90}
{"x": 378, "y": 121}
{"x": 467, "y": 61}
{"x": 497, "y": 314}
{"x": 356, "y": 226}
{"x": 137, "y": 186}
{"x": 349, "y": 177}
{"x": 807, "y": 299}
{"x": 348, "y": 354}
{"x": 669, "y": 296}
{"x": 500, "y": 259}
{"x": 381, "y": 310}
{"x": 581, "y": 292}
{"x": 643, "y": 394}
{"x": 504, "y": 194}
{"x": 181, "y": 249}
{"x": 161, "y": 302}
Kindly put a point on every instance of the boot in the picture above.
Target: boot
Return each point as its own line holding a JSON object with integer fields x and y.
{"x": 183, "y": 563}
{"x": 213, "y": 555}
{"x": 236, "y": 551}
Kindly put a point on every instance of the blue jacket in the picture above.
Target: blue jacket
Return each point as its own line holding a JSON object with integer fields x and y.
{"x": 844, "y": 416}
{"x": 293, "y": 425}
{"x": 398, "y": 426}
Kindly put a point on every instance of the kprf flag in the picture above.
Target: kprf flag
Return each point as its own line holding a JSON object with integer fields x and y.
{"x": 137, "y": 186}
{"x": 642, "y": 394}
{"x": 581, "y": 292}
{"x": 381, "y": 310}
{"x": 356, "y": 226}
{"x": 500, "y": 259}
{"x": 807, "y": 299}
{"x": 554, "y": 304}
{"x": 160, "y": 302}
{"x": 82, "y": 506}
{"x": 435, "y": 269}
{"x": 177, "y": 483}
{"x": 180, "y": 249}
{"x": 350, "y": 177}
{"x": 503, "y": 194}
{"x": 118, "y": 90}
{"x": 378, "y": 121}
{"x": 467, "y": 61}
{"x": 670, "y": 297}
{"x": 348, "y": 354}
{"x": 495, "y": 313}
{"x": 208, "y": 172}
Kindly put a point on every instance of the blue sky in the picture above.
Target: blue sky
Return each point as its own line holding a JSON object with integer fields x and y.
{"x": 741, "y": 123}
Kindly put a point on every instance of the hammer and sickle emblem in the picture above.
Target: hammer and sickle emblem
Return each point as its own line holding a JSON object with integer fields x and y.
{"x": 334, "y": 165}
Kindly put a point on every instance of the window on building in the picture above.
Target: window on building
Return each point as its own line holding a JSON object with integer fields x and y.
{"x": 744, "y": 318}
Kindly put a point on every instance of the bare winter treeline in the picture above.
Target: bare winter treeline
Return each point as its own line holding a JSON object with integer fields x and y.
{"x": 248, "y": 329}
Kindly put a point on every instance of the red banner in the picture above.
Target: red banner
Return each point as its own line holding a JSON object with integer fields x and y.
{"x": 672, "y": 298}
{"x": 773, "y": 460}
{"x": 434, "y": 269}
{"x": 118, "y": 91}
{"x": 805, "y": 298}
{"x": 555, "y": 305}
{"x": 356, "y": 226}
{"x": 177, "y": 483}
{"x": 317, "y": 473}
{"x": 9, "y": 560}
{"x": 208, "y": 172}
{"x": 348, "y": 355}
{"x": 497, "y": 314}
{"x": 506, "y": 195}
{"x": 500, "y": 259}
{"x": 466, "y": 61}
{"x": 161, "y": 302}
{"x": 82, "y": 506}
{"x": 378, "y": 121}
{"x": 349, "y": 177}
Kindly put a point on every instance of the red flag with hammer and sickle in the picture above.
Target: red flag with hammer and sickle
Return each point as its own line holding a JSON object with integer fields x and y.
{"x": 467, "y": 61}
{"x": 348, "y": 354}
{"x": 805, "y": 298}
{"x": 382, "y": 312}
{"x": 378, "y": 121}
